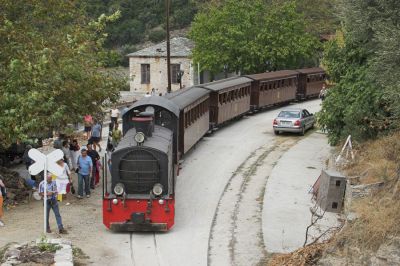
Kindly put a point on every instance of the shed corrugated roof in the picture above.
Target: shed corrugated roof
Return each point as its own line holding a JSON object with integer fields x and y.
{"x": 180, "y": 47}
{"x": 311, "y": 70}
{"x": 225, "y": 83}
{"x": 186, "y": 96}
{"x": 273, "y": 75}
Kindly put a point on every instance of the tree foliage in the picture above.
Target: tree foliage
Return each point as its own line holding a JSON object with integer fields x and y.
{"x": 49, "y": 67}
{"x": 139, "y": 18}
{"x": 362, "y": 66}
{"x": 251, "y": 36}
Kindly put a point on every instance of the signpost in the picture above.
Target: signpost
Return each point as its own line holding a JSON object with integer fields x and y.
{"x": 45, "y": 163}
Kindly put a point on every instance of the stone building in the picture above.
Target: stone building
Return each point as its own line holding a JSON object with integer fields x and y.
{"x": 148, "y": 67}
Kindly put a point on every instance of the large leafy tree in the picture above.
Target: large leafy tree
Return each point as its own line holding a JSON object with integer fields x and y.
{"x": 251, "y": 36}
{"x": 363, "y": 65}
{"x": 49, "y": 72}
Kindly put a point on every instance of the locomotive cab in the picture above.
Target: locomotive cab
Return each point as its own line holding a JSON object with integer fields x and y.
{"x": 141, "y": 192}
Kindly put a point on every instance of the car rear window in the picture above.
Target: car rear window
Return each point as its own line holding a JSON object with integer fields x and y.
{"x": 289, "y": 114}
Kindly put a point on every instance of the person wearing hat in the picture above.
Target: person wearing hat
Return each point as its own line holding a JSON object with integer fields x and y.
{"x": 50, "y": 187}
{"x": 85, "y": 169}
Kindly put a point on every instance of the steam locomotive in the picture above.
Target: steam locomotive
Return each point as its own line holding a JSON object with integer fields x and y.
{"x": 158, "y": 131}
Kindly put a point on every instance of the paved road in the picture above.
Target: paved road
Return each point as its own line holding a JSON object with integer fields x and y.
{"x": 219, "y": 203}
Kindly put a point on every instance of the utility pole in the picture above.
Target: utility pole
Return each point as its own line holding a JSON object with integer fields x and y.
{"x": 167, "y": 3}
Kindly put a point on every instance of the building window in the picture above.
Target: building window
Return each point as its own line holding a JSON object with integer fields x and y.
{"x": 145, "y": 73}
{"x": 174, "y": 73}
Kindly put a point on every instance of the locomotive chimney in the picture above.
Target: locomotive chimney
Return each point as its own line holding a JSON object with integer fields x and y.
{"x": 144, "y": 123}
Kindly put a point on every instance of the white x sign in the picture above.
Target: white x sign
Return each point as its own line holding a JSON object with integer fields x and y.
{"x": 40, "y": 161}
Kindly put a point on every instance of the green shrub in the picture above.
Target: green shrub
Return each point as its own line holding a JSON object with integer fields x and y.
{"x": 157, "y": 35}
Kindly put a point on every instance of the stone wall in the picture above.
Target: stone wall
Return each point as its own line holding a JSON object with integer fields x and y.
{"x": 158, "y": 74}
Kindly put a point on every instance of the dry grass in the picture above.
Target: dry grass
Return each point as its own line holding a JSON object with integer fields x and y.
{"x": 308, "y": 255}
{"x": 378, "y": 221}
{"x": 376, "y": 160}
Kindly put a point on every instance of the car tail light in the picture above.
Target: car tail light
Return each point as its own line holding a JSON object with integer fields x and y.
{"x": 275, "y": 122}
{"x": 297, "y": 123}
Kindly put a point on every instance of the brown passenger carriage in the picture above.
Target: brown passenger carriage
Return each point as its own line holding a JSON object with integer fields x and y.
{"x": 272, "y": 88}
{"x": 310, "y": 82}
{"x": 229, "y": 99}
{"x": 194, "y": 116}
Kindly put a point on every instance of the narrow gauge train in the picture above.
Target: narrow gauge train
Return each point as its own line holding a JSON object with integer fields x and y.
{"x": 158, "y": 131}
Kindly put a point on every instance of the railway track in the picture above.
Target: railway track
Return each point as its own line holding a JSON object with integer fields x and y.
{"x": 236, "y": 233}
{"x": 144, "y": 250}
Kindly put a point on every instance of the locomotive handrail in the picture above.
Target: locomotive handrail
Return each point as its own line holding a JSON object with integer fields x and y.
{"x": 104, "y": 169}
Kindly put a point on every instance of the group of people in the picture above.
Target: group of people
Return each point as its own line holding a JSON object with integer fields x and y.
{"x": 83, "y": 161}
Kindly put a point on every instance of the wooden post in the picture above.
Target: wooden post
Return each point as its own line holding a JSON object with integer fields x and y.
{"x": 167, "y": 4}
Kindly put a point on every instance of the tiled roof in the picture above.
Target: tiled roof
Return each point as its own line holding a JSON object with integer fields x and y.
{"x": 180, "y": 47}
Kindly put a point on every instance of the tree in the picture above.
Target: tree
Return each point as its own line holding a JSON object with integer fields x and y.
{"x": 49, "y": 70}
{"x": 251, "y": 36}
{"x": 364, "y": 101}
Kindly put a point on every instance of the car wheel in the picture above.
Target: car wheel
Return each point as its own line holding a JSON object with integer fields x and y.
{"x": 312, "y": 126}
{"x": 276, "y": 132}
{"x": 303, "y": 131}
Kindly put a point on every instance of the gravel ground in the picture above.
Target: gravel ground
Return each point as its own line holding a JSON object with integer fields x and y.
{"x": 211, "y": 187}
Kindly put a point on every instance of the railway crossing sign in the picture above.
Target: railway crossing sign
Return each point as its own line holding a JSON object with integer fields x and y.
{"x": 41, "y": 159}
{"x": 45, "y": 163}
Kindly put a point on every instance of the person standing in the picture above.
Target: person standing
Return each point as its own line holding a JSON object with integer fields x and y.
{"x": 96, "y": 135}
{"x": 49, "y": 187}
{"x": 322, "y": 93}
{"x": 74, "y": 153}
{"x": 114, "y": 117}
{"x": 63, "y": 180}
{"x": 116, "y": 136}
{"x": 85, "y": 168}
{"x": 2, "y": 197}
{"x": 65, "y": 150}
{"x": 94, "y": 155}
{"x": 88, "y": 121}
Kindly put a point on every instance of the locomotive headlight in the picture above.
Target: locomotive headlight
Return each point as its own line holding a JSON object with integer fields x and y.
{"x": 139, "y": 137}
{"x": 161, "y": 201}
{"x": 115, "y": 201}
{"x": 157, "y": 189}
{"x": 119, "y": 189}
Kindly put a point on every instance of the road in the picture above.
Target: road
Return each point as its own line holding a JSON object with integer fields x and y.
{"x": 219, "y": 202}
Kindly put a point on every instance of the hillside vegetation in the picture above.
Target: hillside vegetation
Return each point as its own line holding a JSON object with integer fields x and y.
{"x": 142, "y": 22}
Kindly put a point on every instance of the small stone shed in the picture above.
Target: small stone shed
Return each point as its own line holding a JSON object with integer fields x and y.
{"x": 331, "y": 191}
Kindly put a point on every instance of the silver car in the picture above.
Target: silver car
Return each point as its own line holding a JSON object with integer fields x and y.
{"x": 293, "y": 120}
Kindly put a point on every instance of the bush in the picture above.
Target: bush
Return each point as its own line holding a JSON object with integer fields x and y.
{"x": 157, "y": 35}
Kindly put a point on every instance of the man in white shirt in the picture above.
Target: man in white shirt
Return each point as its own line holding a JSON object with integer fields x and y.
{"x": 114, "y": 117}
